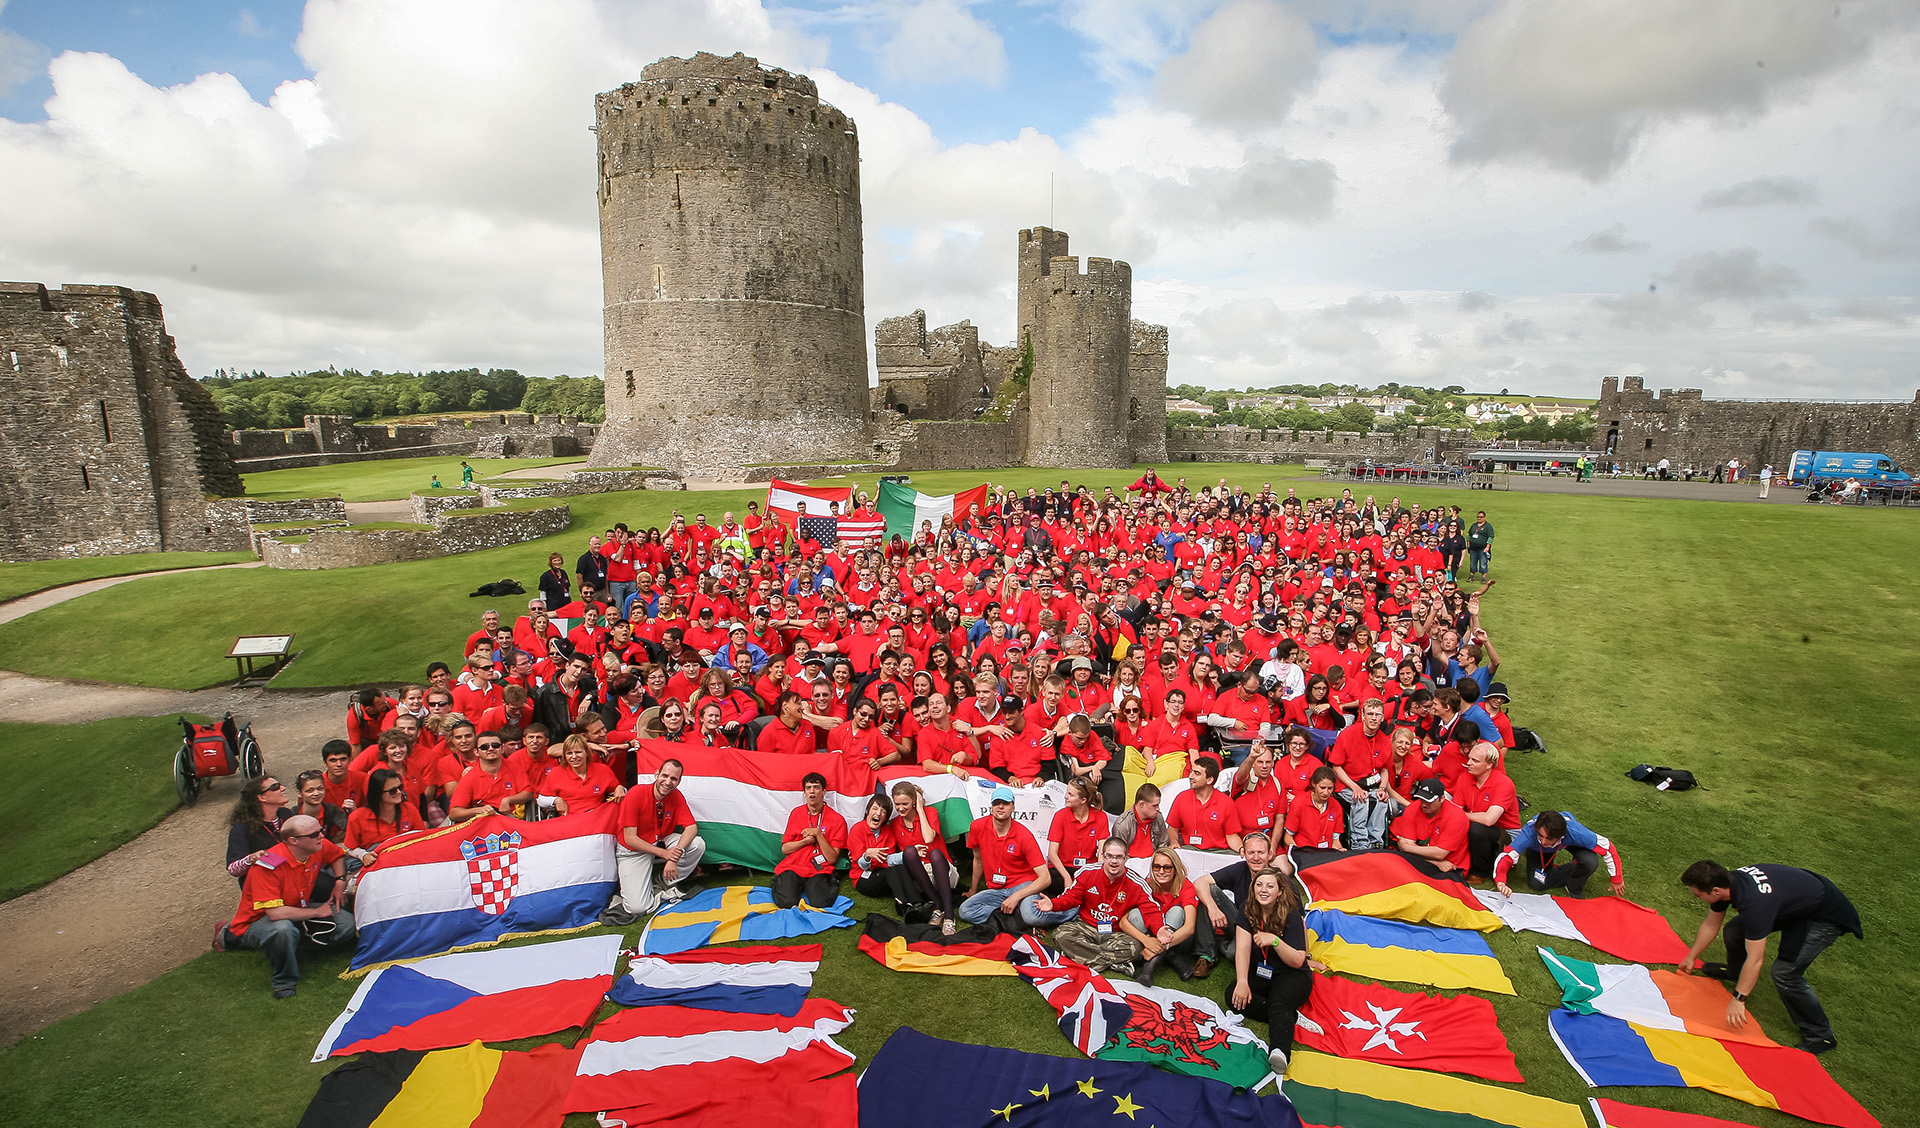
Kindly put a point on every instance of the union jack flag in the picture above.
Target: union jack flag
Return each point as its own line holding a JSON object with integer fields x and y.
{"x": 1091, "y": 1010}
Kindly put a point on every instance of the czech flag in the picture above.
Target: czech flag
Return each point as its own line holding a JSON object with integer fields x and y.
{"x": 1385, "y": 884}
{"x": 1405, "y": 953}
{"x": 756, "y": 980}
{"x": 1613, "y": 925}
{"x": 1609, "y": 1051}
{"x": 1337, "y": 1093}
{"x": 482, "y": 881}
{"x": 1663, "y": 1000}
{"x": 492, "y": 996}
{"x": 679, "y": 1065}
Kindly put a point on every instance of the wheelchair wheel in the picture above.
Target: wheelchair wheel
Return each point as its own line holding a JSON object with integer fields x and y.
{"x": 184, "y": 783}
{"x": 251, "y": 765}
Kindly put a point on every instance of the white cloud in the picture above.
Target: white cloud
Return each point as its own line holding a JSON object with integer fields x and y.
{"x": 937, "y": 41}
{"x": 1900, "y": 240}
{"x": 1610, "y": 241}
{"x": 1244, "y": 65}
{"x": 1576, "y": 86}
{"x": 1759, "y": 192}
{"x": 1737, "y": 274}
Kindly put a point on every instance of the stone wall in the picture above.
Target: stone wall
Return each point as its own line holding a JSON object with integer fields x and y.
{"x": 933, "y": 374}
{"x": 328, "y": 439}
{"x": 731, "y": 255}
{"x": 428, "y": 507}
{"x": 106, "y": 444}
{"x": 576, "y": 483}
{"x": 453, "y": 532}
{"x": 1276, "y": 445}
{"x": 1080, "y": 327}
{"x": 1147, "y": 392}
{"x": 1637, "y": 428}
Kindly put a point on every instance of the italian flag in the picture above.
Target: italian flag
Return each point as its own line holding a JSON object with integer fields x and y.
{"x": 905, "y": 508}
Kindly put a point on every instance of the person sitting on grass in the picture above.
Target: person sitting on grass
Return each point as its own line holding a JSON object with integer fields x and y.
{"x": 1315, "y": 820}
{"x": 811, "y": 845}
{"x": 923, "y": 854}
{"x": 1174, "y": 896}
{"x": 281, "y": 905}
{"x": 1103, "y": 935}
{"x": 1009, "y": 862}
{"x": 310, "y": 789}
{"x": 580, "y": 783}
{"x": 385, "y": 813}
{"x": 1493, "y": 809}
{"x": 255, "y": 826}
{"x": 1272, "y": 971}
{"x": 490, "y": 786}
{"x": 1432, "y": 832}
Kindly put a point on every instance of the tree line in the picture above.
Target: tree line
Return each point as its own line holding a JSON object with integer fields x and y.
{"x": 1431, "y": 407}
{"x": 250, "y": 400}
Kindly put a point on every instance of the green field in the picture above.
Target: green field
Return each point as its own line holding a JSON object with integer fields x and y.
{"x": 1732, "y": 640}
{"x": 383, "y": 479}
{"x": 18, "y": 579}
{"x": 70, "y": 793}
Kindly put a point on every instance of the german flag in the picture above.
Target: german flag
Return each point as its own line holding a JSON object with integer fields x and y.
{"x": 1331, "y": 1092}
{"x": 471, "y": 1087}
{"x": 1384, "y": 883}
{"x": 921, "y": 947}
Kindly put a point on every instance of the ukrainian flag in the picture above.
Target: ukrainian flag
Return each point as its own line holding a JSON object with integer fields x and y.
{"x": 736, "y": 912}
{"x": 1404, "y": 953}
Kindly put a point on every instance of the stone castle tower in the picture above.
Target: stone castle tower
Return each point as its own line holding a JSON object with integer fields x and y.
{"x": 1080, "y": 326}
{"x": 731, "y": 255}
{"x": 107, "y": 445}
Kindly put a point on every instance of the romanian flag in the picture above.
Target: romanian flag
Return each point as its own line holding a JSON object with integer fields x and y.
{"x": 492, "y": 996}
{"x": 1333, "y": 1092}
{"x": 1613, "y": 925}
{"x": 1385, "y": 884}
{"x": 735, "y": 912}
{"x": 1370, "y": 1022}
{"x": 1610, "y": 1051}
{"x": 1663, "y": 1000}
{"x": 482, "y": 881}
{"x": 471, "y": 1087}
{"x": 1405, "y": 953}
{"x": 755, "y": 980}
{"x": 921, "y": 947}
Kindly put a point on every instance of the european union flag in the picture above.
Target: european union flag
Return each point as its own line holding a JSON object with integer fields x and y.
{"x": 931, "y": 1083}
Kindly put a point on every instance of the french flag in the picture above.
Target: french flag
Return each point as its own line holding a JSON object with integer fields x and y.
{"x": 764, "y": 979}
{"x": 482, "y": 881}
{"x": 491, "y": 996}
{"x": 682, "y": 1066}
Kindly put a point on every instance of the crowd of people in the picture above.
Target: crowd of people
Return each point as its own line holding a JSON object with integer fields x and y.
{"x": 1203, "y": 669}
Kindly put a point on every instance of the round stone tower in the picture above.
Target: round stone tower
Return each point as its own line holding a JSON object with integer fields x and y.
{"x": 1080, "y": 327}
{"x": 731, "y": 255}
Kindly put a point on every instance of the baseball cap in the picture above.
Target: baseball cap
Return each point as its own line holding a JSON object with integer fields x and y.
{"x": 1426, "y": 790}
{"x": 1004, "y": 794}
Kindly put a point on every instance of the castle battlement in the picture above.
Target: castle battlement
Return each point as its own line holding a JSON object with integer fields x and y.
{"x": 1102, "y": 276}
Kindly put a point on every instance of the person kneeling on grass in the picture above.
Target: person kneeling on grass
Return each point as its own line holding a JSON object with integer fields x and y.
{"x": 277, "y": 910}
{"x": 1273, "y": 974}
{"x": 657, "y": 829}
{"x": 1536, "y": 845}
{"x": 1103, "y": 935}
{"x": 811, "y": 845}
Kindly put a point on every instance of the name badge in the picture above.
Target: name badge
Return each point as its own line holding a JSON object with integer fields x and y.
{"x": 1193, "y": 840}
{"x": 1104, "y": 928}
{"x": 1262, "y": 971}
{"x": 1262, "y": 821}
{"x": 996, "y": 879}
{"x": 1079, "y": 862}
{"x": 1540, "y": 876}
{"x": 819, "y": 860}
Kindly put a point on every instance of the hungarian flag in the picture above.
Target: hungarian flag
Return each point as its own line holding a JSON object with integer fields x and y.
{"x": 494, "y": 996}
{"x": 1404, "y": 953}
{"x": 1337, "y": 1093}
{"x": 680, "y": 1065}
{"x": 1614, "y": 925}
{"x": 753, "y": 980}
{"x": 1385, "y": 884}
{"x": 1370, "y": 1022}
{"x": 906, "y": 508}
{"x": 922, "y": 947}
{"x": 784, "y": 500}
{"x": 1664, "y": 1000}
{"x": 470, "y": 1087}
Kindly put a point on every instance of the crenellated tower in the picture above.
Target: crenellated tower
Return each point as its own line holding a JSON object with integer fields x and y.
{"x": 1079, "y": 324}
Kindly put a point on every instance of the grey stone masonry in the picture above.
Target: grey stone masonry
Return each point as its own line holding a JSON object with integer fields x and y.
{"x": 730, "y": 243}
{"x": 1638, "y": 428}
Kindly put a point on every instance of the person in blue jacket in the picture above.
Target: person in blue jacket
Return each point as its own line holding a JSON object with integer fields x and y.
{"x": 1538, "y": 845}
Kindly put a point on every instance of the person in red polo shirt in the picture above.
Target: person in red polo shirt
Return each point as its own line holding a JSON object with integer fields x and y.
{"x": 345, "y": 787}
{"x": 491, "y": 786}
{"x": 1074, "y": 838}
{"x": 811, "y": 844}
{"x": 1359, "y": 758}
{"x": 1103, "y": 938}
{"x": 789, "y": 733}
{"x": 1315, "y": 821}
{"x": 1008, "y": 861}
{"x": 942, "y": 747}
{"x": 276, "y": 911}
{"x": 656, "y": 829}
{"x": 1202, "y": 818}
{"x": 1486, "y": 794}
{"x": 1432, "y": 832}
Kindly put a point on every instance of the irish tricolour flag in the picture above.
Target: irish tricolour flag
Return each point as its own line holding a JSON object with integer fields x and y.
{"x": 906, "y": 509}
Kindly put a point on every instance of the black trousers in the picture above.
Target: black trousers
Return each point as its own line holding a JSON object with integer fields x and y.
{"x": 1801, "y": 942}
{"x": 1484, "y": 843}
{"x": 820, "y": 891}
{"x": 1276, "y": 1002}
{"x": 1570, "y": 875}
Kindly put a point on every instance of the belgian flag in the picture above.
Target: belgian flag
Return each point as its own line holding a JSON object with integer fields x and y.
{"x": 469, "y": 1087}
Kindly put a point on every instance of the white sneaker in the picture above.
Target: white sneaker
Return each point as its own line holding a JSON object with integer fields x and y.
{"x": 1278, "y": 1060}
{"x": 671, "y": 894}
{"x": 947, "y": 927}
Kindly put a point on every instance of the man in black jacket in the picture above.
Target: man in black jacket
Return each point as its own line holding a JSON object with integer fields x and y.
{"x": 1807, "y": 910}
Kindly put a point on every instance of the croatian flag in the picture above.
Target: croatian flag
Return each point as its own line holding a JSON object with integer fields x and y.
{"x": 756, "y": 980}
{"x": 663, "y": 1064}
{"x": 491, "y": 996}
{"x": 482, "y": 881}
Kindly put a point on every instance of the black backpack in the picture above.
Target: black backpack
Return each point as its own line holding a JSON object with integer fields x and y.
{"x": 499, "y": 588}
{"x": 1664, "y": 779}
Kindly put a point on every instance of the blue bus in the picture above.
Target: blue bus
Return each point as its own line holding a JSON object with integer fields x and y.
{"x": 1826, "y": 465}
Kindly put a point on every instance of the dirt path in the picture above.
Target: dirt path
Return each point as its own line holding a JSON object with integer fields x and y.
{"x": 41, "y": 600}
{"x": 552, "y": 473}
{"x": 364, "y": 512}
{"x": 151, "y": 905}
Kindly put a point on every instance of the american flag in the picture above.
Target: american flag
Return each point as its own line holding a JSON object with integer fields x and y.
{"x": 825, "y": 529}
{"x": 859, "y": 532}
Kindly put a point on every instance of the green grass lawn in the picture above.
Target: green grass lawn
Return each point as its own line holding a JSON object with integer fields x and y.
{"x": 1766, "y": 648}
{"x": 381, "y": 479}
{"x": 18, "y": 579}
{"x": 70, "y": 793}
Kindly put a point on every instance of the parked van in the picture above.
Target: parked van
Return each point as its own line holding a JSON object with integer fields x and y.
{"x": 1823, "y": 465}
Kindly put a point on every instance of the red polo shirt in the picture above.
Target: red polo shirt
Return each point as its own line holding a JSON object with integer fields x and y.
{"x": 1203, "y": 826}
{"x": 276, "y": 881}
{"x": 935, "y": 746}
{"x": 776, "y": 737}
{"x": 809, "y": 862}
{"x": 1497, "y": 791}
{"x": 1312, "y": 827}
{"x": 652, "y": 821}
{"x": 1079, "y": 843}
{"x": 1447, "y": 830}
{"x": 1007, "y": 861}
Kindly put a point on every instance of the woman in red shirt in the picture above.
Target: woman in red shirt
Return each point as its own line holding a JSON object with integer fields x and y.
{"x": 385, "y": 813}
{"x": 1130, "y": 717}
{"x": 1315, "y": 821}
{"x": 1167, "y": 884}
{"x": 1074, "y": 838}
{"x": 870, "y": 842}
{"x": 923, "y": 853}
{"x": 580, "y": 783}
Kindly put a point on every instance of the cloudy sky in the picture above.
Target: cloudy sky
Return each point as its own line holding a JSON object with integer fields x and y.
{"x": 1715, "y": 193}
